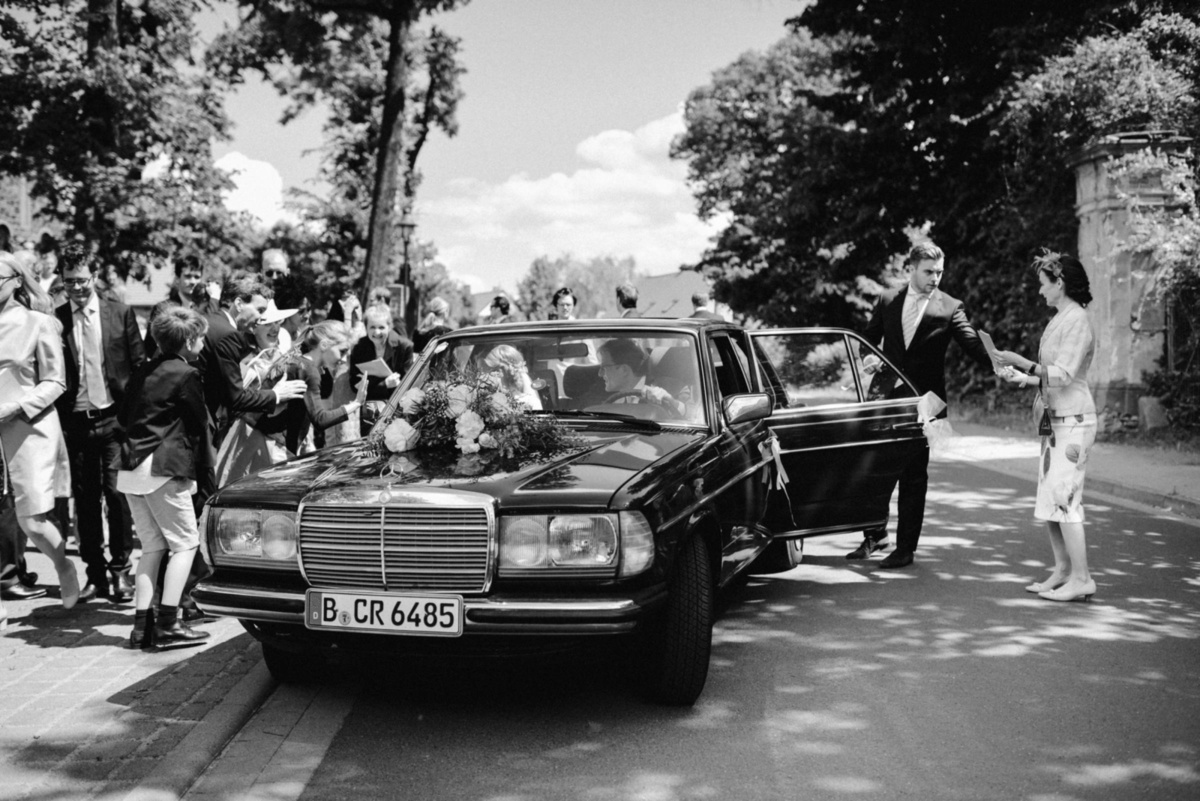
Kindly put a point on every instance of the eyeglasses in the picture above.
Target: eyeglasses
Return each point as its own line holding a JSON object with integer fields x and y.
{"x": 13, "y": 277}
{"x": 76, "y": 281}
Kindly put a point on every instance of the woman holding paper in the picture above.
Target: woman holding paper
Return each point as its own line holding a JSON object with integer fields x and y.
{"x": 1065, "y": 402}
{"x": 32, "y": 376}
{"x": 382, "y": 357}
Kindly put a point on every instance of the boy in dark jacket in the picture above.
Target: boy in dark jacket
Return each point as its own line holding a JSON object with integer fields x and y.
{"x": 167, "y": 450}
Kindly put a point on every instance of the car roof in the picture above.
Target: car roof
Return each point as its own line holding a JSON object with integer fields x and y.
{"x": 678, "y": 323}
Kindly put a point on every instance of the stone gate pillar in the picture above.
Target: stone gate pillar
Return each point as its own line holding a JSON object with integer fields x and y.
{"x": 1129, "y": 324}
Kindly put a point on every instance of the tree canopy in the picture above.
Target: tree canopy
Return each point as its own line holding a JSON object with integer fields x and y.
{"x": 108, "y": 114}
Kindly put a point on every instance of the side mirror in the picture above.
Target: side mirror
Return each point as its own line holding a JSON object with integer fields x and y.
{"x": 746, "y": 408}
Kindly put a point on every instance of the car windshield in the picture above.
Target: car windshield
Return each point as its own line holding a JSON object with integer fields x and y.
{"x": 582, "y": 372}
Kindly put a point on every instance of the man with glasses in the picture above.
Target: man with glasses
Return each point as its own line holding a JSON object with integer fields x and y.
{"x": 274, "y": 265}
{"x": 623, "y": 367}
{"x": 102, "y": 346}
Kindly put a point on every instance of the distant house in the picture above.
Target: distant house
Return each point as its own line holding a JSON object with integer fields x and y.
{"x": 670, "y": 295}
{"x": 19, "y": 220}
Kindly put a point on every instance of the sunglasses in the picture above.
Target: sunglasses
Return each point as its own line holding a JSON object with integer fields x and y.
{"x": 274, "y": 274}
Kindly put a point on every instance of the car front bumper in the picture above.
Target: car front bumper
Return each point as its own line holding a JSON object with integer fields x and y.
{"x": 496, "y": 614}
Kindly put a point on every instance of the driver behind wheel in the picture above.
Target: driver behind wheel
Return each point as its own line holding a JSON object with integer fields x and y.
{"x": 623, "y": 366}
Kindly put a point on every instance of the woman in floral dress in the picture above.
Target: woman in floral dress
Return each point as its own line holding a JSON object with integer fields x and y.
{"x": 1060, "y": 374}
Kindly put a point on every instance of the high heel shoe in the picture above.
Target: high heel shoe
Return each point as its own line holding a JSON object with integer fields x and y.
{"x": 68, "y": 583}
{"x": 1071, "y": 591}
{"x": 1055, "y": 581}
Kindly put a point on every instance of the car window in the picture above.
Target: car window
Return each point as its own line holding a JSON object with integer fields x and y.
{"x": 730, "y": 365}
{"x": 563, "y": 367}
{"x": 808, "y": 369}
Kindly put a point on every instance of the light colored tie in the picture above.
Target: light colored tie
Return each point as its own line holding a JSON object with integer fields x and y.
{"x": 93, "y": 366}
{"x": 912, "y": 316}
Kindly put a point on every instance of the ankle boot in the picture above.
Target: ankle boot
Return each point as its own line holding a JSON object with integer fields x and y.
{"x": 171, "y": 632}
{"x": 142, "y": 636}
{"x": 122, "y": 587}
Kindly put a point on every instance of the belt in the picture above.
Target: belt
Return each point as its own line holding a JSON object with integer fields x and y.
{"x": 95, "y": 414}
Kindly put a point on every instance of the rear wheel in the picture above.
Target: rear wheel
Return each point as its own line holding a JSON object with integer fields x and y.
{"x": 779, "y": 557}
{"x": 677, "y": 645}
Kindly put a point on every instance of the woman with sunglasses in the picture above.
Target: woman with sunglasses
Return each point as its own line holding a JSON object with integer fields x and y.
{"x": 32, "y": 376}
{"x": 1065, "y": 401}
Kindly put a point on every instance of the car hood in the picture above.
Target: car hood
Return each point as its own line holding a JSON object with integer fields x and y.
{"x": 353, "y": 473}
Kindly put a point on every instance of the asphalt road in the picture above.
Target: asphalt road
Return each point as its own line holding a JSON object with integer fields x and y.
{"x": 834, "y": 680}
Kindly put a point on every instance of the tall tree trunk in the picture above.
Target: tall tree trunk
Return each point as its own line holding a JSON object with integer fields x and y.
{"x": 390, "y": 162}
{"x": 103, "y": 34}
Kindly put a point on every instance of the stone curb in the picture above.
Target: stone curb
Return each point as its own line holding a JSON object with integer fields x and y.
{"x": 179, "y": 770}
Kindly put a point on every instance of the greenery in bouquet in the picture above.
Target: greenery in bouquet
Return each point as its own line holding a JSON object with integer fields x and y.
{"x": 470, "y": 413}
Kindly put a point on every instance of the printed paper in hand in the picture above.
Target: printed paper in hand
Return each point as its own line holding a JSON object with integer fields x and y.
{"x": 376, "y": 367}
{"x": 986, "y": 339}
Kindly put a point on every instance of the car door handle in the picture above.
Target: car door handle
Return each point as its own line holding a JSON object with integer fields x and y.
{"x": 895, "y": 427}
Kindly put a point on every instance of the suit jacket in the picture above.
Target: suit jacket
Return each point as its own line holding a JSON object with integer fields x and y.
{"x": 120, "y": 342}
{"x": 924, "y": 360}
{"x": 165, "y": 418}
{"x": 397, "y": 352}
{"x": 221, "y": 365}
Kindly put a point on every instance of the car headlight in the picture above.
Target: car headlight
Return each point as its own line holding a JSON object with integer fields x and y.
{"x": 253, "y": 537}
{"x": 575, "y": 545}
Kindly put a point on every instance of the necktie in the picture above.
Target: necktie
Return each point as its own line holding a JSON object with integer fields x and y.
{"x": 93, "y": 371}
{"x": 912, "y": 315}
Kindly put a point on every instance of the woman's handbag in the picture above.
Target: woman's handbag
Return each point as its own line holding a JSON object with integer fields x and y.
{"x": 1043, "y": 419}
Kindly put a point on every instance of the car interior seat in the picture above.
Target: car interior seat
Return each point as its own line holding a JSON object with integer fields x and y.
{"x": 583, "y": 385}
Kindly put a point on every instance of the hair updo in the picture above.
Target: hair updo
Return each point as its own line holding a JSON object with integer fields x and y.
{"x": 1069, "y": 270}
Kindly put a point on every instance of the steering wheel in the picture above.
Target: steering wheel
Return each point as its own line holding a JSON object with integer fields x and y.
{"x": 625, "y": 393}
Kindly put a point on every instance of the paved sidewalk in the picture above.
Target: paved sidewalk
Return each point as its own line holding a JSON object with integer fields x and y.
{"x": 84, "y": 718}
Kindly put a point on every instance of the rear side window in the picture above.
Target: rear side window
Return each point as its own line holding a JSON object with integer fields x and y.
{"x": 808, "y": 369}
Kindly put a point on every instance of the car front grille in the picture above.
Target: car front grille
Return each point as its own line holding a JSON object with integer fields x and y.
{"x": 395, "y": 547}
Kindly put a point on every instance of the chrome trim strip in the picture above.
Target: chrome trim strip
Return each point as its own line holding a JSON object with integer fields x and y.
{"x": 831, "y": 446}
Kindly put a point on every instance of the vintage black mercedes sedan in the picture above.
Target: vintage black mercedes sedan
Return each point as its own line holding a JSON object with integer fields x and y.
{"x": 692, "y": 449}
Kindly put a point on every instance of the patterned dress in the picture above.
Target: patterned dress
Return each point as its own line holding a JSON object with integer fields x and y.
{"x": 1066, "y": 351}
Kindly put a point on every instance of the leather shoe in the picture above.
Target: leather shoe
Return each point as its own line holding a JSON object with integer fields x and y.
{"x": 18, "y": 593}
{"x": 28, "y": 578}
{"x": 868, "y": 547}
{"x": 89, "y": 592}
{"x": 122, "y": 588}
{"x": 194, "y": 614}
{"x": 177, "y": 635}
{"x": 896, "y": 559}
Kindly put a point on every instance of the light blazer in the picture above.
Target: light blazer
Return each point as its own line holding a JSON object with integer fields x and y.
{"x": 924, "y": 360}
{"x": 1066, "y": 351}
{"x": 120, "y": 342}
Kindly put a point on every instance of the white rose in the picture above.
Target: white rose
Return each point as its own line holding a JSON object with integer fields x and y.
{"x": 469, "y": 425}
{"x": 399, "y": 436}
{"x": 500, "y": 401}
{"x": 486, "y": 440}
{"x": 459, "y": 398}
{"x": 410, "y": 400}
{"x": 467, "y": 445}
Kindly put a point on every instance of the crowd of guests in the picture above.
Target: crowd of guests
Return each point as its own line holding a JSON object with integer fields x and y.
{"x": 139, "y": 429}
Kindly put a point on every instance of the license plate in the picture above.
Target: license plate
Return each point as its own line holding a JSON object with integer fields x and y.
{"x": 391, "y": 613}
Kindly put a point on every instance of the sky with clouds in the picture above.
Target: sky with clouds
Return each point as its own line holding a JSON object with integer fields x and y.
{"x": 565, "y": 127}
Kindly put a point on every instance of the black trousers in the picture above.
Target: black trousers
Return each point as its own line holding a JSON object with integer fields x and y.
{"x": 910, "y": 506}
{"x": 93, "y": 445}
{"x": 12, "y": 544}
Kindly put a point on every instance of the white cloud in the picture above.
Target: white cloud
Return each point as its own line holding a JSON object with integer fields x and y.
{"x": 629, "y": 199}
{"x": 258, "y": 188}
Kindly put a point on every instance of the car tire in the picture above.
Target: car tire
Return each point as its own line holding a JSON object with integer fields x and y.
{"x": 678, "y": 644}
{"x": 293, "y": 667}
{"x": 778, "y": 557}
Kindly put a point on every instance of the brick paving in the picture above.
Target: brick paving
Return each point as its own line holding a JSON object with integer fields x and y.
{"x": 82, "y": 716}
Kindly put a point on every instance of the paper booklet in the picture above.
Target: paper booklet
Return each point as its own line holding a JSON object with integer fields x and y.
{"x": 376, "y": 367}
{"x": 986, "y": 338}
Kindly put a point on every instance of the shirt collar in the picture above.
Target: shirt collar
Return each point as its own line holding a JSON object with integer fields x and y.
{"x": 93, "y": 305}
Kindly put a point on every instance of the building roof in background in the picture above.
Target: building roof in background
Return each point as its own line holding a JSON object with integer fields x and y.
{"x": 669, "y": 295}
{"x": 140, "y": 296}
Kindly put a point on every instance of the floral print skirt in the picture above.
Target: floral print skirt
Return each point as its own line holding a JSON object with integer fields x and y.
{"x": 1062, "y": 466}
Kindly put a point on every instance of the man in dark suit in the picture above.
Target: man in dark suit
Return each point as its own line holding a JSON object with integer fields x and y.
{"x": 627, "y": 298}
{"x": 700, "y": 307}
{"x": 225, "y": 395}
{"x": 915, "y": 323}
{"x": 102, "y": 346}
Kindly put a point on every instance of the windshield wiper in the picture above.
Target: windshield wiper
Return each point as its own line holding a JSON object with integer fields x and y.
{"x": 624, "y": 418}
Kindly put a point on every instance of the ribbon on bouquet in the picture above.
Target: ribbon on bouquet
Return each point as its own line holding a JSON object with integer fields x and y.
{"x": 776, "y": 477}
{"x": 937, "y": 431}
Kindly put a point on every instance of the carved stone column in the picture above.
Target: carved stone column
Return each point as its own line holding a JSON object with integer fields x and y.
{"x": 1130, "y": 325}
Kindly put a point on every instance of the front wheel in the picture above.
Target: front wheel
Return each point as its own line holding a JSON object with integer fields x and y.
{"x": 292, "y": 667}
{"x": 678, "y": 642}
